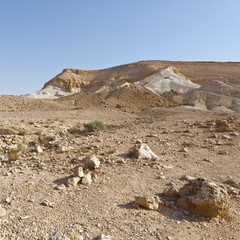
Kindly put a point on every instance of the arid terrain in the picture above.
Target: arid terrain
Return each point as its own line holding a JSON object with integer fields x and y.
{"x": 42, "y": 140}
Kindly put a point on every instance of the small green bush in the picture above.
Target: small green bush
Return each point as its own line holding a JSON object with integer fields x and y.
{"x": 15, "y": 151}
{"x": 94, "y": 125}
{"x": 21, "y": 147}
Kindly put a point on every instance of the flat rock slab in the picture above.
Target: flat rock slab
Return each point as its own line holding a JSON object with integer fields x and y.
{"x": 150, "y": 202}
{"x": 2, "y": 212}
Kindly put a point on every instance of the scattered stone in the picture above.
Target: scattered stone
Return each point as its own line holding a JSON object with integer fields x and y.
{"x": 166, "y": 166}
{"x": 213, "y": 135}
{"x": 2, "y": 212}
{"x": 219, "y": 142}
{"x": 58, "y": 236}
{"x": 161, "y": 177}
{"x": 121, "y": 161}
{"x": 77, "y": 226}
{"x": 24, "y": 217}
{"x": 187, "y": 143}
{"x": 92, "y": 163}
{"x": 207, "y": 160}
{"x": 105, "y": 237}
{"x": 234, "y": 191}
{"x": 61, "y": 187}
{"x": 226, "y": 136}
{"x": 87, "y": 179}
{"x": 222, "y": 126}
{"x": 80, "y": 159}
{"x": 165, "y": 132}
{"x": 156, "y": 166}
{"x": 222, "y": 152}
{"x": 138, "y": 141}
{"x": 203, "y": 197}
{"x": 185, "y": 150}
{"x": 73, "y": 181}
{"x": 108, "y": 161}
{"x": 47, "y": 203}
{"x": 233, "y": 134}
{"x": 62, "y": 149}
{"x": 8, "y": 200}
{"x": 142, "y": 151}
{"x": 233, "y": 183}
{"x": 150, "y": 202}
{"x": 212, "y": 142}
{"x": 152, "y": 135}
{"x": 78, "y": 172}
{"x": 47, "y": 141}
{"x": 38, "y": 149}
{"x": 171, "y": 192}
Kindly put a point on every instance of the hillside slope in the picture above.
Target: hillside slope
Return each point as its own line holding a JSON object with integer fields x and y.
{"x": 198, "y": 72}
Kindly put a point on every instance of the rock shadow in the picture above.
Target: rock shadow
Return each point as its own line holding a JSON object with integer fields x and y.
{"x": 177, "y": 214}
{"x": 61, "y": 181}
{"x": 180, "y": 215}
{"x": 129, "y": 205}
{"x": 125, "y": 155}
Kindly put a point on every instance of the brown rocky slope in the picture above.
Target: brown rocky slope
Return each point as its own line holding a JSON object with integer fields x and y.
{"x": 198, "y": 72}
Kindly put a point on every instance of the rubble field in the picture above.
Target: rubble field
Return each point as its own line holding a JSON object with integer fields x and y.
{"x": 161, "y": 173}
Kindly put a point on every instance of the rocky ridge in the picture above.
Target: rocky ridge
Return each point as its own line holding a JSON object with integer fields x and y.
{"x": 215, "y": 88}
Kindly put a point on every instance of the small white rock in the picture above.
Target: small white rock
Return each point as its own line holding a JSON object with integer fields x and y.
{"x": 62, "y": 149}
{"x": 92, "y": 162}
{"x": 39, "y": 149}
{"x": 105, "y": 237}
{"x": 78, "y": 171}
{"x": 48, "y": 203}
{"x": 73, "y": 181}
{"x": 222, "y": 152}
{"x": 143, "y": 151}
{"x": 61, "y": 187}
{"x": 87, "y": 179}
{"x": 226, "y": 136}
{"x": 233, "y": 134}
{"x": 2, "y": 212}
{"x": 185, "y": 150}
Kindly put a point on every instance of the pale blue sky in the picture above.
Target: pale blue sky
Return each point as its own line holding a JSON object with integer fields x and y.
{"x": 39, "y": 38}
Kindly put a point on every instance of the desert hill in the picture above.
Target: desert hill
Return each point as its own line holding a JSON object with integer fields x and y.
{"x": 205, "y": 85}
{"x": 159, "y": 80}
{"x": 198, "y": 72}
{"x": 15, "y": 103}
{"x": 130, "y": 98}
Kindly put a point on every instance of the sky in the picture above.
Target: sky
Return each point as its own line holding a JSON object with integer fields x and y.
{"x": 39, "y": 38}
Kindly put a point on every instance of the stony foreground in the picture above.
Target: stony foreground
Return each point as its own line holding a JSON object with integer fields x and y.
{"x": 39, "y": 196}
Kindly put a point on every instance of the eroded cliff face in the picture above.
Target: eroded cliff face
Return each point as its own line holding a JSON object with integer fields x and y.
{"x": 202, "y": 85}
{"x": 198, "y": 72}
{"x": 80, "y": 80}
{"x": 70, "y": 79}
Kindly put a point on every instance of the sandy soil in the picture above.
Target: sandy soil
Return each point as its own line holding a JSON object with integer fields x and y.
{"x": 106, "y": 206}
